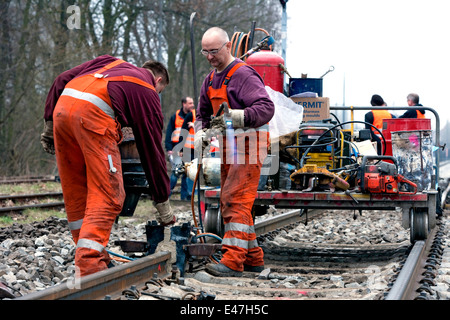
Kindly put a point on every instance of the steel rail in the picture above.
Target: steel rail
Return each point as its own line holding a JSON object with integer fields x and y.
{"x": 28, "y": 180}
{"x": 110, "y": 282}
{"x": 283, "y": 220}
{"x": 406, "y": 285}
{"x": 401, "y": 286}
{"x": 32, "y": 206}
{"x": 50, "y": 204}
{"x": 32, "y": 195}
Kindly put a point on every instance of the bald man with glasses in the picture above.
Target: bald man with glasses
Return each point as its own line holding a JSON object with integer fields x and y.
{"x": 238, "y": 84}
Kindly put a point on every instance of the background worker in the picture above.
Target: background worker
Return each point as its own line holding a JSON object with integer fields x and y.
{"x": 375, "y": 117}
{"x": 175, "y": 147}
{"x": 187, "y": 135}
{"x": 85, "y": 109}
{"x": 251, "y": 107}
{"x": 413, "y": 100}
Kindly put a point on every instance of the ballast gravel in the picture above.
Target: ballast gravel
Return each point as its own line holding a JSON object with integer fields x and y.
{"x": 39, "y": 255}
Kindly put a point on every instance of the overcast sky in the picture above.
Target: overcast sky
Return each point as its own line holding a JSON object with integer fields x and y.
{"x": 390, "y": 48}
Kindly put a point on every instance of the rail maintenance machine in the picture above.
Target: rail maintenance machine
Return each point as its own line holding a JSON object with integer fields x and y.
{"x": 313, "y": 163}
{"x": 321, "y": 165}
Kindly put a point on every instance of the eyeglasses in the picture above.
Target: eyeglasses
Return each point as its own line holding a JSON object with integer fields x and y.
{"x": 212, "y": 52}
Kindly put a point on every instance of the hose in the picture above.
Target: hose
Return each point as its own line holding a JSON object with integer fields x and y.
{"x": 202, "y": 234}
{"x": 212, "y": 235}
{"x": 120, "y": 256}
{"x": 240, "y": 43}
{"x": 208, "y": 234}
{"x": 199, "y": 167}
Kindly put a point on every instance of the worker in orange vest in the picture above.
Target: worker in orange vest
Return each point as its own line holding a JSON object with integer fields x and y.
{"x": 251, "y": 108}
{"x": 84, "y": 111}
{"x": 413, "y": 100}
{"x": 375, "y": 118}
{"x": 176, "y": 147}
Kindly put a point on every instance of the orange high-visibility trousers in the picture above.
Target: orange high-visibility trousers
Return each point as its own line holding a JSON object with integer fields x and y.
{"x": 239, "y": 184}
{"x": 87, "y": 154}
{"x": 93, "y": 193}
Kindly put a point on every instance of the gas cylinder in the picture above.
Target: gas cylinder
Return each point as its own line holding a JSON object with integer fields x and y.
{"x": 267, "y": 64}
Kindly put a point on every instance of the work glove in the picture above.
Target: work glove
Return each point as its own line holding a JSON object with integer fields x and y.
{"x": 237, "y": 117}
{"x": 218, "y": 124}
{"x": 200, "y": 141}
{"x": 165, "y": 214}
{"x": 237, "y": 120}
{"x": 47, "y": 140}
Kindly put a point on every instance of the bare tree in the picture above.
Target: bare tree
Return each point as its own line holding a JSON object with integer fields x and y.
{"x": 37, "y": 44}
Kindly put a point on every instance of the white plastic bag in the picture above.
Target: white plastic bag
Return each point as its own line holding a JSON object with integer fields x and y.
{"x": 288, "y": 115}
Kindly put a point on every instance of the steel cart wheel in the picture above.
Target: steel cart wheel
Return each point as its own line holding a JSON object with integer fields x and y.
{"x": 418, "y": 222}
{"x": 213, "y": 221}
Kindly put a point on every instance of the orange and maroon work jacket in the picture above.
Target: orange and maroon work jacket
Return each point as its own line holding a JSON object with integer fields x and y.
{"x": 242, "y": 88}
{"x": 134, "y": 106}
{"x": 242, "y": 92}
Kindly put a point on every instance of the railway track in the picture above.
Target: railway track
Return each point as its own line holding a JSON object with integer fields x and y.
{"x": 16, "y": 180}
{"x": 305, "y": 271}
{"x": 312, "y": 271}
{"x": 293, "y": 271}
{"x": 420, "y": 269}
{"x": 130, "y": 280}
{"x": 36, "y": 197}
{"x": 111, "y": 283}
{"x": 18, "y": 199}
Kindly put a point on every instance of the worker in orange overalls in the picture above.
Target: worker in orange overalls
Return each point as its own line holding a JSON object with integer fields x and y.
{"x": 84, "y": 112}
{"x": 375, "y": 118}
{"x": 251, "y": 109}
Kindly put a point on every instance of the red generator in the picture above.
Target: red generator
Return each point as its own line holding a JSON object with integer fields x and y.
{"x": 404, "y": 124}
{"x": 268, "y": 64}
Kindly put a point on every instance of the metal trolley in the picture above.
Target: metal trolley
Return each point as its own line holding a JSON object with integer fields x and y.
{"x": 419, "y": 210}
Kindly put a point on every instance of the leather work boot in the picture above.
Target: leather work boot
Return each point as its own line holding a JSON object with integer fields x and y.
{"x": 221, "y": 270}
{"x": 253, "y": 268}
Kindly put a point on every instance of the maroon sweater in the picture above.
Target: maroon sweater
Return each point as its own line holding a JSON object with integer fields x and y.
{"x": 135, "y": 106}
{"x": 245, "y": 91}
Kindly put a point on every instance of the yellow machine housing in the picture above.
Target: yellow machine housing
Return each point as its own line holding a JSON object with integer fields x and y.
{"x": 322, "y": 156}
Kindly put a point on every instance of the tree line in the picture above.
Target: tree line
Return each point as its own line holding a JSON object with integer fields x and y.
{"x": 42, "y": 38}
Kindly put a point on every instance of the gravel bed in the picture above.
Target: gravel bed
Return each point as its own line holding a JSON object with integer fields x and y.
{"x": 39, "y": 255}
{"x": 348, "y": 227}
